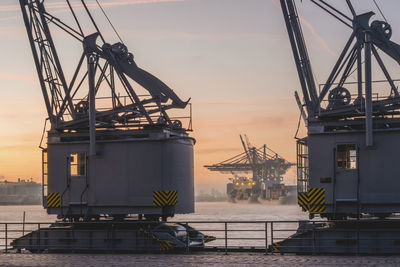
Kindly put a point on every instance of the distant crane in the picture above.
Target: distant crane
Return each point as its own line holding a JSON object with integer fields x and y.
{"x": 267, "y": 169}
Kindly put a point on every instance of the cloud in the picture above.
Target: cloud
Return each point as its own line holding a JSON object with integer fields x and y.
{"x": 9, "y": 18}
{"x": 221, "y": 36}
{"x": 211, "y": 150}
{"x": 260, "y": 36}
{"x": 17, "y": 77}
{"x": 135, "y": 2}
{"x": 246, "y": 101}
{"x": 14, "y": 147}
{"x": 317, "y": 37}
{"x": 11, "y": 32}
{"x": 63, "y": 5}
{"x": 308, "y": 25}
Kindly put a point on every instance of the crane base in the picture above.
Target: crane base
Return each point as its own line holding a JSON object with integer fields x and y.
{"x": 111, "y": 237}
{"x": 372, "y": 237}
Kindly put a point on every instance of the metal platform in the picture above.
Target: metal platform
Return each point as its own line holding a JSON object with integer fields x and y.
{"x": 100, "y": 237}
{"x": 350, "y": 237}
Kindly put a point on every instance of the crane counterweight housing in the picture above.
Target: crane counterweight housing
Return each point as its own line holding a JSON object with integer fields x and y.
{"x": 123, "y": 176}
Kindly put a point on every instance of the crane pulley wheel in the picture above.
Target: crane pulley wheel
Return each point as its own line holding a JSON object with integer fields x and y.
{"x": 82, "y": 107}
{"x": 382, "y": 28}
{"x": 339, "y": 96}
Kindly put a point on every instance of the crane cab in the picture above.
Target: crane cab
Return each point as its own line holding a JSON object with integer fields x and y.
{"x": 339, "y": 176}
{"x": 146, "y": 172}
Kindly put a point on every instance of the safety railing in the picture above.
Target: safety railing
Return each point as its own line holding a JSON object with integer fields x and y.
{"x": 224, "y": 236}
{"x": 103, "y": 103}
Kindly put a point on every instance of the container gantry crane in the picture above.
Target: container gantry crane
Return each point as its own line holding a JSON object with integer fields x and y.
{"x": 266, "y": 166}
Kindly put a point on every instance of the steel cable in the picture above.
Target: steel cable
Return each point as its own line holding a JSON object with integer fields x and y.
{"x": 109, "y": 21}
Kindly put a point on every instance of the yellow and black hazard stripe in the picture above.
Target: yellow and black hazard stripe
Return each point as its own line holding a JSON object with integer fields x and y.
{"x": 316, "y": 200}
{"x": 302, "y": 200}
{"x": 164, "y": 244}
{"x": 313, "y": 201}
{"x": 165, "y": 198}
{"x": 275, "y": 247}
{"x": 53, "y": 200}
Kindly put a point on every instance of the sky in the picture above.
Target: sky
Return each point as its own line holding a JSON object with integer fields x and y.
{"x": 232, "y": 57}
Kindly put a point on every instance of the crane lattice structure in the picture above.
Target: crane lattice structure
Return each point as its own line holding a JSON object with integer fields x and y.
{"x": 106, "y": 87}
{"x": 265, "y": 164}
{"x": 342, "y": 104}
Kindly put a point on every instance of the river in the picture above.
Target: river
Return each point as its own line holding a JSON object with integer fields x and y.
{"x": 204, "y": 211}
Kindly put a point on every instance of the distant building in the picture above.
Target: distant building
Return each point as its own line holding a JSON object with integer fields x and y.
{"x": 23, "y": 192}
{"x": 213, "y": 196}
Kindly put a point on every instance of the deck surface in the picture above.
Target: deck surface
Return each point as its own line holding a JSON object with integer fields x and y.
{"x": 195, "y": 259}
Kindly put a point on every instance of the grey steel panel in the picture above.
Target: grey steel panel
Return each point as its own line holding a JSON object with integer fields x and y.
{"x": 123, "y": 175}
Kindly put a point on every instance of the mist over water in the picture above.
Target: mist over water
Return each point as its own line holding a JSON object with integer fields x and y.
{"x": 205, "y": 211}
{"x": 213, "y": 213}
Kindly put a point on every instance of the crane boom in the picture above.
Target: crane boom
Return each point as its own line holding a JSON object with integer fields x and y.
{"x": 66, "y": 96}
{"x": 300, "y": 53}
{"x": 334, "y": 100}
{"x": 246, "y": 150}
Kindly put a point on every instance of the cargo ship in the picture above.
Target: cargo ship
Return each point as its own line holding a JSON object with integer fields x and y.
{"x": 22, "y": 192}
{"x": 242, "y": 188}
{"x": 267, "y": 169}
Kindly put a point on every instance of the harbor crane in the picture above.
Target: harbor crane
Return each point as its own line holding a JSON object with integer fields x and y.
{"x": 347, "y": 163}
{"x": 266, "y": 166}
{"x": 113, "y": 152}
{"x": 337, "y": 119}
{"x": 96, "y": 109}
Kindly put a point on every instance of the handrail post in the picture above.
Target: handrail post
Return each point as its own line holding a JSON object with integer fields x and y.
{"x": 6, "y": 236}
{"x": 266, "y": 238}
{"x": 23, "y": 225}
{"x": 38, "y": 237}
{"x": 313, "y": 238}
{"x": 226, "y": 238}
{"x": 358, "y": 237}
{"x": 272, "y": 237}
{"x": 112, "y": 238}
{"x": 149, "y": 242}
{"x": 187, "y": 239}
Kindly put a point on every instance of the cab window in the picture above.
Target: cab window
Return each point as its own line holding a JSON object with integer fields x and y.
{"x": 346, "y": 157}
{"x": 77, "y": 164}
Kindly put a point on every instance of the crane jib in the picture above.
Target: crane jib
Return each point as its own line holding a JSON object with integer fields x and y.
{"x": 67, "y": 102}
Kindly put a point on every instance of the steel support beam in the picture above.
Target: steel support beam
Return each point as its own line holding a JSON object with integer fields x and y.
{"x": 333, "y": 74}
{"x": 385, "y": 71}
{"x": 359, "y": 73}
{"x": 300, "y": 55}
{"x": 56, "y": 59}
{"x": 368, "y": 91}
{"x": 300, "y": 105}
{"x": 92, "y": 104}
{"x": 28, "y": 26}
